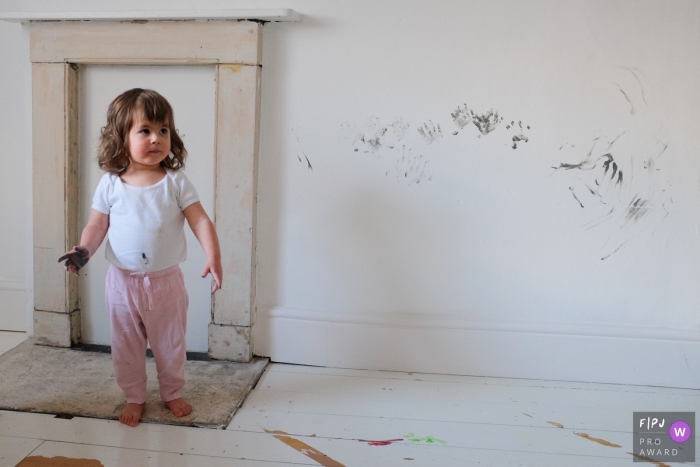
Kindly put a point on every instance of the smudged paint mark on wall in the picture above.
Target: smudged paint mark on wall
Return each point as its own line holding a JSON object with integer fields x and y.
{"x": 632, "y": 110}
{"x": 430, "y": 132}
{"x": 309, "y": 451}
{"x": 517, "y": 138}
{"x": 400, "y": 128}
{"x": 461, "y": 117}
{"x": 411, "y": 168}
{"x": 597, "y": 440}
{"x": 486, "y": 122}
{"x": 300, "y": 149}
{"x": 575, "y": 197}
{"x": 626, "y": 171}
{"x": 41, "y": 461}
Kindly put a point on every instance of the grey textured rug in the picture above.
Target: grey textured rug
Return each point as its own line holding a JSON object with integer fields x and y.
{"x": 35, "y": 378}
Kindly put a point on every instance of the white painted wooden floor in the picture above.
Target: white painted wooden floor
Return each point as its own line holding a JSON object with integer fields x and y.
{"x": 301, "y": 415}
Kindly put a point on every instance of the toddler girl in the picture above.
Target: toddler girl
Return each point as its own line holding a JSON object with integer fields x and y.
{"x": 142, "y": 202}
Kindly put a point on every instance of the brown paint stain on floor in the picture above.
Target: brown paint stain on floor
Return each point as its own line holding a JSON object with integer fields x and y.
{"x": 558, "y": 425}
{"x": 276, "y": 432}
{"x": 41, "y": 461}
{"x": 309, "y": 451}
{"x": 597, "y": 440}
{"x": 648, "y": 459}
{"x": 527, "y": 415}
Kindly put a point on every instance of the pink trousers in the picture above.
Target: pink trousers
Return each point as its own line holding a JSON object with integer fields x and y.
{"x": 148, "y": 307}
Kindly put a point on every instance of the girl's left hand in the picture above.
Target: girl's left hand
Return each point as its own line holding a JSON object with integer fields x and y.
{"x": 214, "y": 267}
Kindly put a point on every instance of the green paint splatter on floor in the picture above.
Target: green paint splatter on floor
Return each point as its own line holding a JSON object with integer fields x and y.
{"x": 428, "y": 439}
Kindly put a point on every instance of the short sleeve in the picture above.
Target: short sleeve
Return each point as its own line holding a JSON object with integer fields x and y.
{"x": 187, "y": 192}
{"x": 100, "y": 202}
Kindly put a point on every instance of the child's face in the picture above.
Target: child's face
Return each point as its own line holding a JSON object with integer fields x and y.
{"x": 149, "y": 143}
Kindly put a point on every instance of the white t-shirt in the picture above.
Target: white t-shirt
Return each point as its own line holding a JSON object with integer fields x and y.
{"x": 145, "y": 223}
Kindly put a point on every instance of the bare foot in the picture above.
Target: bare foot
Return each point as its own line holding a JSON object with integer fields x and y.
{"x": 131, "y": 414}
{"x": 179, "y": 407}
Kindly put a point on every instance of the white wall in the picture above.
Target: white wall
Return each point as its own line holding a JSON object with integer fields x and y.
{"x": 464, "y": 255}
{"x": 13, "y": 164}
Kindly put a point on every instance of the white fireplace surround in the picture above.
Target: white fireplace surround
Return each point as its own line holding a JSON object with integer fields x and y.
{"x": 231, "y": 41}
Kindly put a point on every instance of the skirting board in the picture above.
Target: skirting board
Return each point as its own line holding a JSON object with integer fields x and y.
{"x": 478, "y": 352}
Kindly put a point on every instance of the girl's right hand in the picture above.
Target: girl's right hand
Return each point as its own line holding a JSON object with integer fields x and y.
{"x": 75, "y": 259}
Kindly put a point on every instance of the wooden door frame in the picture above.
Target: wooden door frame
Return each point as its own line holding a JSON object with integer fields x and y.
{"x": 57, "y": 50}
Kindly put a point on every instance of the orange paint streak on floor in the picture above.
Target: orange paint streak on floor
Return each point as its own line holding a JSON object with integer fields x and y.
{"x": 59, "y": 461}
{"x": 648, "y": 459}
{"x": 308, "y": 451}
{"x": 598, "y": 440}
{"x": 558, "y": 425}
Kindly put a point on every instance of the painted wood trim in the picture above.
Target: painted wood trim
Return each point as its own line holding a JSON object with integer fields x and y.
{"x": 453, "y": 321}
{"x": 55, "y": 183}
{"x": 72, "y": 183}
{"x": 277, "y": 15}
{"x": 480, "y": 353}
{"x": 57, "y": 329}
{"x": 236, "y": 151}
{"x": 232, "y": 343}
{"x": 157, "y": 42}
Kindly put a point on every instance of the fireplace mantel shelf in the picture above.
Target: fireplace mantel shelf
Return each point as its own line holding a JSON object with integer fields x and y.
{"x": 281, "y": 14}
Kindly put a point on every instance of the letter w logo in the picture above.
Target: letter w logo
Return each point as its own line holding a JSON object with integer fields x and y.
{"x": 680, "y": 431}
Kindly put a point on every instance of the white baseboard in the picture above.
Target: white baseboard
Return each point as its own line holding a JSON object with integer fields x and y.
{"x": 13, "y": 306}
{"x": 446, "y": 344}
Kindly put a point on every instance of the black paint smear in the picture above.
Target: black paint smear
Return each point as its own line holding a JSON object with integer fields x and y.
{"x": 356, "y": 149}
{"x": 606, "y": 164}
{"x": 637, "y": 209}
{"x": 615, "y": 251}
{"x": 307, "y": 159}
{"x": 619, "y": 178}
{"x": 640, "y": 83}
{"x": 615, "y": 140}
{"x": 632, "y": 111}
{"x": 455, "y": 133}
{"x": 143, "y": 255}
{"x": 517, "y": 138}
{"x": 614, "y": 170}
{"x": 575, "y": 197}
{"x": 487, "y": 122}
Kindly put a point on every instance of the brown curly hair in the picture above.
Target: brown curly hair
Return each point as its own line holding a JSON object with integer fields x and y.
{"x": 113, "y": 152}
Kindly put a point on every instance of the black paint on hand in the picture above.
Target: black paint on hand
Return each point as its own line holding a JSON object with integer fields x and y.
{"x": 77, "y": 257}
